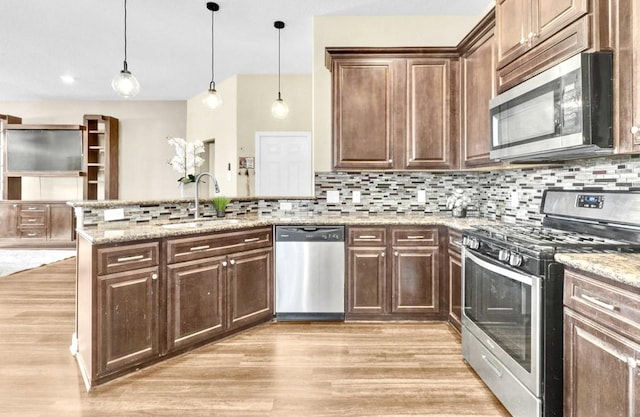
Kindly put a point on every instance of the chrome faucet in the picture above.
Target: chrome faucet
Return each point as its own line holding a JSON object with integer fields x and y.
{"x": 197, "y": 202}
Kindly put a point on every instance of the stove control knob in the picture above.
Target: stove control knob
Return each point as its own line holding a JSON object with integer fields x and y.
{"x": 504, "y": 255}
{"x": 515, "y": 259}
{"x": 472, "y": 243}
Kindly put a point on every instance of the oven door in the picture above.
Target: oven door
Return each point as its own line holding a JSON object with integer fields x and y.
{"x": 501, "y": 308}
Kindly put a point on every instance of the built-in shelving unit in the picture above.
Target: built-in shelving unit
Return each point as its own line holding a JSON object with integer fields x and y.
{"x": 101, "y": 157}
{"x": 5, "y": 120}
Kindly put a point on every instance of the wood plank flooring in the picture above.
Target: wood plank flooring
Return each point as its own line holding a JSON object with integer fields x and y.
{"x": 277, "y": 369}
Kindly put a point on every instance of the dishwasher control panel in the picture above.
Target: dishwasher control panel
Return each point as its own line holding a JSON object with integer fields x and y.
{"x": 309, "y": 233}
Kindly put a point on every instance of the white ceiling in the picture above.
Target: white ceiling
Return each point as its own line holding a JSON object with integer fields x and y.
{"x": 169, "y": 41}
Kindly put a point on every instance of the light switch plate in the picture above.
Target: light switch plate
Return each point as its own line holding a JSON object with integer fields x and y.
{"x": 422, "y": 196}
{"x": 355, "y": 196}
{"x": 113, "y": 214}
{"x": 515, "y": 199}
{"x": 284, "y": 206}
{"x": 333, "y": 196}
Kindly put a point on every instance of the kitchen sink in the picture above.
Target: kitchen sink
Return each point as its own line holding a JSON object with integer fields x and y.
{"x": 200, "y": 223}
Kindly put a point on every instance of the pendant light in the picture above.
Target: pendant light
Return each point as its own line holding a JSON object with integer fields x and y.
{"x": 125, "y": 84}
{"x": 212, "y": 99}
{"x": 279, "y": 108}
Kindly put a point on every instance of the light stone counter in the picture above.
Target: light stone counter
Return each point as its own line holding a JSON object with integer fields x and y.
{"x": 618, "y": 267}
{"x": 106, "y": 235}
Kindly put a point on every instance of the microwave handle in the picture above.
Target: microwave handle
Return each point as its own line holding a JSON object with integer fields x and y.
{"x": 525, "y": 279}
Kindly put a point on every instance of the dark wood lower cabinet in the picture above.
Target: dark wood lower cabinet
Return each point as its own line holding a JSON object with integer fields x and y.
{"x": 127, "y": 313}
{"x": 250, "y": 283}
{"x": 407, "y": 286}
{"x": 195, "y": 295}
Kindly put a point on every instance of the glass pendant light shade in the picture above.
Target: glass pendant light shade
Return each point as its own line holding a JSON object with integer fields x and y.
{"x": 125, "y": 84}
{"x": 279, "y": 108}
{"x": 213, "y": 100}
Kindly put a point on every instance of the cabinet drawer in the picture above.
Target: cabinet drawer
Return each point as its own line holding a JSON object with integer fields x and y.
{"x": 612, "y": 306}
{"x": 198, "y": 247}
{"x": 33, "y": 233}
{"x": 32, "y": 208}
{"x": 414, "y": 237}
{"x": 35, "y": 218}
{"x": 367, "y": 236}
{"x": 127, "y": 258}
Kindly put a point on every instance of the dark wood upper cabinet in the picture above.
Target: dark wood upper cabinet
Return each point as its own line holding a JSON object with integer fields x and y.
{"x": 392, "y": 107}
{"x": 478, "y": 86}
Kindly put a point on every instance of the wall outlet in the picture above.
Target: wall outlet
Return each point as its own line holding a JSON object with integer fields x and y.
{"x": 355, "y": 196}
{"x": 113, "y": 214}
{"x": 422, "y": 196}
{"x": 333, "y": 196}
{"x": 515, "y": 199}
{"x": 285, "y": 206}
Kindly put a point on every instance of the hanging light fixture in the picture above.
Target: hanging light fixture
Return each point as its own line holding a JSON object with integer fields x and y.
{"x": 212, "y": 99}
{"x": 125, "y": 84}
{"x": 279, "y": 108}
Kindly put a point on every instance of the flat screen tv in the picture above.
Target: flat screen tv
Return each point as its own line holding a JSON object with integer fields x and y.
{"x": 40, "y": 150}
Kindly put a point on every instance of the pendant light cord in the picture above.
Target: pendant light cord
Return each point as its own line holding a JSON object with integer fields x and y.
{"x": 125, "y": 35}
{"x": 212, "y": 85}
{"x": 279, "y": 63}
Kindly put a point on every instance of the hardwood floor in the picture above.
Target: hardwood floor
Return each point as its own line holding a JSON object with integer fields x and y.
{"x": 277, "y": 369}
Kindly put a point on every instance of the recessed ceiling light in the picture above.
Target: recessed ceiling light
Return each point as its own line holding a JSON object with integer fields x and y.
{"x": 67, "y": 79}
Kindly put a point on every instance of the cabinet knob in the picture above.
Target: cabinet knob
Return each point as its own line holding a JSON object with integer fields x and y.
{"x": 395, "y": 253}
{"x": 635, "y": 130}
{"x": 523, "y": 41}
{"x": 390, "y": 160}
{"x": 382, "y": 254}
{"x": 232, "y": 262}
{"x": 224, "y": 263}
{"x": 154, "y": 276}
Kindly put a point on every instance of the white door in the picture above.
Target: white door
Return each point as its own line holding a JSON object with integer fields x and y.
{"x": 284, "y": 164}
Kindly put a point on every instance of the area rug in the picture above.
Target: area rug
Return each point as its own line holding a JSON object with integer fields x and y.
{"x": 16, "y": 260}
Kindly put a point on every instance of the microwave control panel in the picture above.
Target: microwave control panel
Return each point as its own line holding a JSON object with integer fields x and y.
{"x": 590, "y": 201}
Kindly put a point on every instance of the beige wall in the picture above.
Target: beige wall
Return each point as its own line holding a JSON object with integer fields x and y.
{"x": 144, "y": 152}
{"x": 384, "y": 31}
{"x": 246, "y": 109}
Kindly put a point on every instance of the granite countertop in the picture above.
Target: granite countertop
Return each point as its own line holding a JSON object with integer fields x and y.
{"x": 619, "y": 267}
{"x": 119, "y": 233}
{"x": 124, "y": 203}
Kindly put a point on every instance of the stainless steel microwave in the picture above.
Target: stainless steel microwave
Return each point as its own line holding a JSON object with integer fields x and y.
{"x": 562, "y": 113}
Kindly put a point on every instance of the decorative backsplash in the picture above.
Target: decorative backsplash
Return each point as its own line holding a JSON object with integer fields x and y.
{"x": 512, "y": 195}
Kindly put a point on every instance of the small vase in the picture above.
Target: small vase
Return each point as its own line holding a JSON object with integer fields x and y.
{"x": 459, "y": 212}
{"x": 220, "y": 213}
{"x": 187, "y": 190}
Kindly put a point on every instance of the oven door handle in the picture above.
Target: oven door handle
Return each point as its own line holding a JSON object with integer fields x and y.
{"x": 525, "y": 279}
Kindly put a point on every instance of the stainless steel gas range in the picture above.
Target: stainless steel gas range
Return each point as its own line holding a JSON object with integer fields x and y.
{"x": 512, "y": 292}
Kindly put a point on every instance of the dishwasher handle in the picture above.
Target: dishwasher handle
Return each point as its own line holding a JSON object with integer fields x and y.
{"x": 309, "y": 234}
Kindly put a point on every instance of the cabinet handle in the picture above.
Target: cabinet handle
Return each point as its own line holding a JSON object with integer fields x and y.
{"x": 415, "y": 237}
{"x": 635, "y": 130}
{"x": 130, "y": 258}
{"x": 32, "y": 234}
{"x": 232, "y": 262}
{"x": 366, "y": 237}
{"x": 15, "y": 206}
{"x": 253, "y": 239}
{"x": 31, "y": 220}
{"x": 594, "y": 300}
{"x": 492, "y": 366}
{"x": 154, "y": 276}
{"x": 224, "y": 263}
{"x": 32, "y": 208}
{"x": 197, "y": 248}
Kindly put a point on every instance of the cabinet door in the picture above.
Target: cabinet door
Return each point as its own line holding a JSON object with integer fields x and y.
{"x": 551, "y": 16}
{"x": 60, "y": 223}
{"x": 429, "y": 141}
{"x": 366, "y": 276}
{"x": 250, "y": 287}
{"x": 513, "y": 24}
{"x": 128, "y": 331}
{"x": 455, "y": 289}
{"x": 195, "y": 294}
{"x": 9, "y": 220}
{"x": 601, "y": 370}
{"x": 627, "y": 76}
{"x": 478, "y": 87}
{"x": 415, "y": 280}
{"x": 364, "y": 105}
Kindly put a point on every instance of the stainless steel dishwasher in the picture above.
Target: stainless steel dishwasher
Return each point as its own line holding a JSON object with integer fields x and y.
{"x": 310, "y": 273}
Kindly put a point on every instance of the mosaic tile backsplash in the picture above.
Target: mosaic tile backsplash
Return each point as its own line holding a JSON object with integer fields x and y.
{"x": 512, "y": 195}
